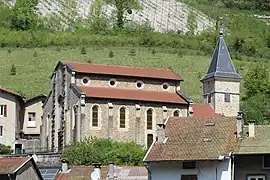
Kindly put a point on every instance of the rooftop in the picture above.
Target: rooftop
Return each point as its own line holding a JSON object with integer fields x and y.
{"x": 11, "y": 92}
{"x": 10, "y": 164}
{"x": 137, "y": 95}
{"x": 259, "y": 144}
{"x": 195, "y": 138}
{"x": 204, "y": 110}
{"x": 143, "y": 72}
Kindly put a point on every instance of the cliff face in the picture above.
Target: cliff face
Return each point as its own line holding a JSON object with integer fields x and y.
{"x": 162, "y": 15}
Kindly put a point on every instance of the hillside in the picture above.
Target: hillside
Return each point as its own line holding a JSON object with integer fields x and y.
{"x": 34, "y": 66}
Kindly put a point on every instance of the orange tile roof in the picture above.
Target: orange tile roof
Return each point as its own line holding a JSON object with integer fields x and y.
{"x": 204, "y": 110}
{"x": 191, "y": 138}
{"x": 139, "y": 95}
{"x": 124, "y": 70}
{"x": 11, "y": 92}
{"x": 10, "y": 164}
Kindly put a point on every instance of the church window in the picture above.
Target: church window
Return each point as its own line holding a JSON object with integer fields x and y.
{"x": 139, "y": 84}
{"x": 165, "y": 86}
{"x": 227, "y": 97}
{"x": 149, "y": 140}
{"x": 122, "y": 117}
{"x": 112, "y": 82}
{"x": 95, "y": 116}
{"x": 149, "y": 116}
{"x": 176, "y": 113}
{"x": 85, "y": 80}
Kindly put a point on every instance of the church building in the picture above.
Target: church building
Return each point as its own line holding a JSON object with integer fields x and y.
{"x": 126, "y": 103}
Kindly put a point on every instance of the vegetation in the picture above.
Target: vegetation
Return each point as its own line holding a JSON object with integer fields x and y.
{"x": 92, "y": 150}
{"x": 257, "y": 99}
{"x": 5, "y": 149}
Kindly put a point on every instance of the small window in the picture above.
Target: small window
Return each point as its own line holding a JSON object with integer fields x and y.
{"x": 31, "y": 116}
{"x": 227, "y": 97}
{"x": 3, "y": 110}
{"x": 112, "y": 82}
{"x": 122, "y": 117}
{"x": 165, "y": 86}
{"x": 85, "y": 80}
{"x": 150, "y": 139}
{"x": 209, "y": 98}
{"x": 266, "y": 161}
{"x": 257, "y": 177}
{"x": 95, "y": 116}
{"x": 139, "y": 84}
{"x": 189, "y": 177}
{"x": 189, "y": 165}
{"x": 149, "y": 116}
{"x": 176, "y": 113}
{"x": 1, "y": 130}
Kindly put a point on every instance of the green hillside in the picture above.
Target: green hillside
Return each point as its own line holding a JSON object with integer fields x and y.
{"x": 34, "y": 66}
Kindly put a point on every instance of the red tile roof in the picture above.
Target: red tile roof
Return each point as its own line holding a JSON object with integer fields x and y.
{"x": 11, "y": 92}
{"x": 124, "y": 70}
{"x": 139, "y": 95}
{"x": 194, "y": 138}
{"x": 204, "y": 110}
{"x": 10, "y": 164}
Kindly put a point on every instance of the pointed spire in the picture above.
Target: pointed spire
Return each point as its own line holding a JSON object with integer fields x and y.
{"x": 221, "y": 63}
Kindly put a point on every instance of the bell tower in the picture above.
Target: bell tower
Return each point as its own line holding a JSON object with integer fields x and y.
{"x": 221, "y": 84}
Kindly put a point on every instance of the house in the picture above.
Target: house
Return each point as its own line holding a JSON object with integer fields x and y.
{"x": 191, "y": 148}
{"x": 19, "y": 168}
{"x": 108, "y": 101}
{"x": 11, "y": 118}
{"x": 251, "y": 156}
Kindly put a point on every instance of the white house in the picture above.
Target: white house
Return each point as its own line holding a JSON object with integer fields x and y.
{"x": 192, "y": 148}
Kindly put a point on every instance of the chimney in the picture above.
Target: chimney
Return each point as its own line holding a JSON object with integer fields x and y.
{"x": 190, "y": 109}
{"x": 239, "y": 125}
{"x": 95, "y": 175}
{"x": 160, "y": 133}
{"x": 251, "y": 128}
{"x": 64, "y": 167}
{"x": 111, "y": 171}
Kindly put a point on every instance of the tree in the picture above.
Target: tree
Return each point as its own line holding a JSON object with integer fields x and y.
{"x": 123, "y": 6}
{"x": 5, "y": 149}
{"x": 24, "y": 16}
{"x": 5, "y": 15}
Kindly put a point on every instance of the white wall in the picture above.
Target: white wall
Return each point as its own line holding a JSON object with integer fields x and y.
{"x": 206, "y": 170}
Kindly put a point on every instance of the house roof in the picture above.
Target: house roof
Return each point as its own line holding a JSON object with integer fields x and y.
{"x": 11, "y": 92}
{"x": 136, "y": 95}
{"x": 120, "y": 173}
{"x": 194, "y": 138}
{"x": 143, "y": 72}
{"x": 221, "y": 62}
{"x": 204, "y": 110}
{"x": 10, "y": 164}
{"x": 259, "y": 144}
{"x": 41, "y": 97}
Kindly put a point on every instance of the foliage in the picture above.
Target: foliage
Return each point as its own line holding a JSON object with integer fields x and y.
{"x": 257, "y": 100}
{"x": 5, "y": 15}
{"x": 5, "y": 149}
{"x": 83, "y": 50}
{"x": 23, "y": 15}
{"x": 132, "y": 52}
{"x": 123, "y": 6}
{"x": 111, "y": 54}
{"x": 192, "y": 24}
{"x": 92, "y": 150}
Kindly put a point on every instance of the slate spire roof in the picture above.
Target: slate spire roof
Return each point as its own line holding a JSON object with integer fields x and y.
{"x": 221, "y": 63}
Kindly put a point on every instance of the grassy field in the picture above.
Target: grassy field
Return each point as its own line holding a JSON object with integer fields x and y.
{"x": 34, "y": 66}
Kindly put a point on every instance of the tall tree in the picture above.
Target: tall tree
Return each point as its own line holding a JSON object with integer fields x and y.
{"x": 123, "y": 6}
{"x": 5, "y": 15}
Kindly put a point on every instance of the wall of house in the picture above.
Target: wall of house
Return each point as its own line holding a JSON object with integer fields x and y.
{"x": 130, "y": 133}
{"x": 9, "y": 123}
{"x": 27, "y": 172}
{"x": 205, "y": 170}
{"x": 33, "y": 127}
{"x": 245, "y": 165}
{"x": 126, "y": 82}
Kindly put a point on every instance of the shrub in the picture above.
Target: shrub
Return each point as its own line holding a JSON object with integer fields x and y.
{"x": 132, "y": 52}
{"x": 92, "y": 150}
{"x": 5, "y": 149}
{"x": 153, "y": 51}
{"x": 83, "y": 50}
{"x": 111, "y": 54}
{"x": 13, "y": 70}
{"x": 35, "y": 54}
{"x": 9, "y": 51}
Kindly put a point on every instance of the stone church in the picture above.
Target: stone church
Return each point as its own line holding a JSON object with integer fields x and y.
{"x": 125, "y": 103}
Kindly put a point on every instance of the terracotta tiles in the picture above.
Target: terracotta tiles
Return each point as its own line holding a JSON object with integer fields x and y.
{"x": 204, "y": 110}
{"x": 9, "y": 165}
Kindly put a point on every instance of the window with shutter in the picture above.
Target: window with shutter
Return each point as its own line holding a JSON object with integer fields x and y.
{"x": 3, "y": 110}
{"x": 1, "y": 130}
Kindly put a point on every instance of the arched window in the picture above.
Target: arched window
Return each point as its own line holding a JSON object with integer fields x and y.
{"x": 149, "y": 120}
{"x": 176, "y": 113}
{"x": 122, "y": 114}
{"x": 95, "y": 116}
{"x": 149, "y": 140}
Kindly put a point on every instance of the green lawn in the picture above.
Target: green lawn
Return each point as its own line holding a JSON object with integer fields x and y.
{"x": 33, "y": 73}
